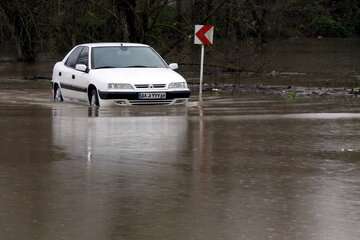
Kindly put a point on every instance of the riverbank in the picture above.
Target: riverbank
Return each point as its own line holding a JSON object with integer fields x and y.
{"x": 277, "y": 90}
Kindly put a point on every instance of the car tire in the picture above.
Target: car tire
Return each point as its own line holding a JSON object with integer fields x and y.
{"x": 57, "y": 94}
{"x": 94, "y": 99}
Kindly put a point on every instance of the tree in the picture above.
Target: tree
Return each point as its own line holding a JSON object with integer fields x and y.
{"x": 22, "y": 23}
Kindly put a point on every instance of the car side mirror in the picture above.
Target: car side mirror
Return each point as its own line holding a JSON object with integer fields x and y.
{"x": 82, "y": 68}
{"x": 174, "y": 66}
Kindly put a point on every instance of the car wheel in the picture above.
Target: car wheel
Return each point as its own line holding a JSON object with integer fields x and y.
{"x": 57, "y": 94}
{"x": 94, "y": 99}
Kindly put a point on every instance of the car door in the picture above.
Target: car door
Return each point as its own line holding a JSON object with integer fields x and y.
{"x": 81, "y": 79}
{"x": 69, "y": 87}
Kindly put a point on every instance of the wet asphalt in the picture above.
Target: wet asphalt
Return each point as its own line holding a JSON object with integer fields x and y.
{"x": 243, "y": 167}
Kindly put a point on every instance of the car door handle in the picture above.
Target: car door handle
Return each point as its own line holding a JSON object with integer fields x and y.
{"x": 73, "y": 76}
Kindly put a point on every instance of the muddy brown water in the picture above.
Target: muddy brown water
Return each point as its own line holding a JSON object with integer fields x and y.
{"x": 245, "y": 167}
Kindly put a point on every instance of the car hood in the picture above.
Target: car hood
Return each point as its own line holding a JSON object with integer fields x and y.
{"x": 136, "y": 75}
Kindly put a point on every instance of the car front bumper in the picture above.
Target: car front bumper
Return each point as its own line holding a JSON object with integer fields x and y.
{"x": 133, "y": 98}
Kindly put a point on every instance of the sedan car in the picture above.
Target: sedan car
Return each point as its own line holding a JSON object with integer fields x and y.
{"x": 102, "y": 74}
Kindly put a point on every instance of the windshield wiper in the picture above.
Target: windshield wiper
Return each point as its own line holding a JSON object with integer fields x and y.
{"x": 139, "y": 66}
{"x": 105, "y": 67}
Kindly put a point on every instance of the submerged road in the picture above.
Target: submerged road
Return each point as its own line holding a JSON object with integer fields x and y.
{"x": 252, "y": 167}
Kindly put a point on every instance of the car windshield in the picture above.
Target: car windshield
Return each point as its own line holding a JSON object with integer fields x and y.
{"x": 125, "y": 57}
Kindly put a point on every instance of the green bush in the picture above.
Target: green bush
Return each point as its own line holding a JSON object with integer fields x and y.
{"x": 326, "y": 26}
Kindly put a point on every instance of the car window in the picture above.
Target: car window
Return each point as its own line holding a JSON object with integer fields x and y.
{"x": 72, "y": 59}
{"x": 84, "y": 57}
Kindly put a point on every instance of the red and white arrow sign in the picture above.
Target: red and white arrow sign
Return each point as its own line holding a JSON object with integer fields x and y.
{"x": 204, "y": 35}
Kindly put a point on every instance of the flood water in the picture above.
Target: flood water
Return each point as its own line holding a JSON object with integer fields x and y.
{"x": 245, "y": 167}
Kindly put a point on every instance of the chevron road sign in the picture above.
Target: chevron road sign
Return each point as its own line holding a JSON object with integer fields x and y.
{"x": 204, "y": 36}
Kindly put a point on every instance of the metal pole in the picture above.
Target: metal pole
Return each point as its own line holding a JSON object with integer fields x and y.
{"x": 201, "y": 75}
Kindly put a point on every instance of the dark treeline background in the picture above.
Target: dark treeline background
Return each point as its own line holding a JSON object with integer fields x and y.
{"x": 54, "y": 26}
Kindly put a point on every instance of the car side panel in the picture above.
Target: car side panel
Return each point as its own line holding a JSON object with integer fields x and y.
{"x": 75, "y": 84}
{"x": 56, "y": 72}
{"x": 66, "y": 84}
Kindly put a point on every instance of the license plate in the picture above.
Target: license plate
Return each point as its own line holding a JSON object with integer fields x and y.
{"x": 152, "y": 95}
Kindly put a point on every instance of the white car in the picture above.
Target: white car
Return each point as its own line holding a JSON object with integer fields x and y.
{"x": 103, "y": 74}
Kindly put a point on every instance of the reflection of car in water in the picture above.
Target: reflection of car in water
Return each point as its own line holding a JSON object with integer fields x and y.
{"x": 118, "y": 136}
{"x": 118, "y": 74}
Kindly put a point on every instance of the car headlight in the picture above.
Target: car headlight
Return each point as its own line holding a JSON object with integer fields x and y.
{"x": 120, "y": 86}
{"x": 177, "y": 85}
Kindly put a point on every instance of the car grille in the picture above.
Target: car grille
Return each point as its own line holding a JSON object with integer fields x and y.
{"x": 149, "y": 86}
{"x": 150, "y": 102}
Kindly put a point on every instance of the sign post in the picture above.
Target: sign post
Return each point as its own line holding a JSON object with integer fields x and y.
{"x": 201, "y": 74}
{"x": 204, "y": 36}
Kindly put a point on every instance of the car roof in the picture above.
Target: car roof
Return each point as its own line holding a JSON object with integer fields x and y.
{"x": 113, "y": 44}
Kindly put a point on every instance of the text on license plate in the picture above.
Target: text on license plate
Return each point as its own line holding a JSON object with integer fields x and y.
{"x": 152, "y": 95}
